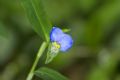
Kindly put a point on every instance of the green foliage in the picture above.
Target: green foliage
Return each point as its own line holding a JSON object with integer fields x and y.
{"x": 3, "y": 31}
{"x": 104, "y": 71}
{"x": 37, "y": 17}
{"x": 100, "y": 21}
{"x": 49, "y": 74}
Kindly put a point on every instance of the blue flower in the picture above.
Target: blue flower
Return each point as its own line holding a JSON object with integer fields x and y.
{"x": 59, "y": 42}
{"x": 59, "y": 38}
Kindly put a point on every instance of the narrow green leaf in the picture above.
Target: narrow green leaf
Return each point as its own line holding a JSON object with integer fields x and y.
{"x": 49, "y": 74}
{"x": 37, "y": 17}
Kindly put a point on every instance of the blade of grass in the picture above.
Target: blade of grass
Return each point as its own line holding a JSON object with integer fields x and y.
{"x": 37, "y": 17}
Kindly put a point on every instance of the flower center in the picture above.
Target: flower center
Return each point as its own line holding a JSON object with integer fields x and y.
{"x": 55, "y": 44}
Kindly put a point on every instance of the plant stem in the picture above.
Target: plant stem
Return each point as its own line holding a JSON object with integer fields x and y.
{"x": 39, "y": 54}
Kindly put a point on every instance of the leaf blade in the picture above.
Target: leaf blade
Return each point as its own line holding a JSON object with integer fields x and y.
{"x": 49, "y": 74}
{"x": 37, "y": 17}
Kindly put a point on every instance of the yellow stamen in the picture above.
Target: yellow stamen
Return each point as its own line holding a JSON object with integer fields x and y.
{"x": 56, "y": 45}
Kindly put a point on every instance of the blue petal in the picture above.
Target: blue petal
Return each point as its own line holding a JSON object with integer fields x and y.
{"x": 56, "y": 34}
{"x": 66, "y": 42}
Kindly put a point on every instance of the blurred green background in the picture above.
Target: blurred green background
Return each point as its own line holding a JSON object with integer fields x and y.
{"x": 95, "y": 28}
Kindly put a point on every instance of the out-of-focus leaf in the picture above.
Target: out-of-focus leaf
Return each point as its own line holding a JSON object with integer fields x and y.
{"x": 58, "y": 10}
{"x": 3, "y": 31}
{"x": 49, "y": 74}
{"x": 86, "y": 5}
{"x": 107, "y": 66}
{"x": 100, "y": 22}
{"x": 37, "y": 17}
{"x": 116, "y": 42}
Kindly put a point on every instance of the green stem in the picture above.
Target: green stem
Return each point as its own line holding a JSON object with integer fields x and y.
{"x": 39, "y": 54}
